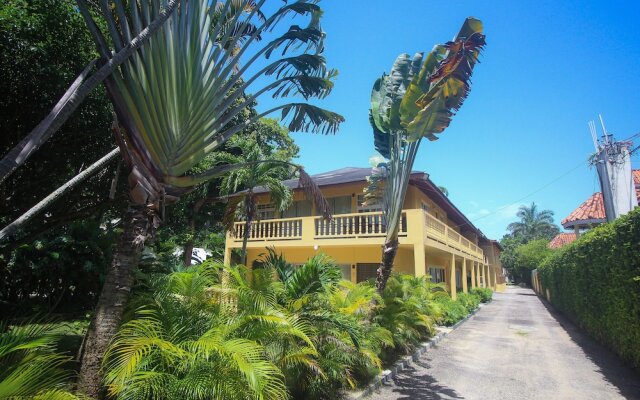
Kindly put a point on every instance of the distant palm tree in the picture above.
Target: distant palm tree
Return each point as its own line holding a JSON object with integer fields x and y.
{"x": 533, "y": 224}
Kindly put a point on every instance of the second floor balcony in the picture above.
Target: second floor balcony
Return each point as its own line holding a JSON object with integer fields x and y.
{"x": 366, "y": 228}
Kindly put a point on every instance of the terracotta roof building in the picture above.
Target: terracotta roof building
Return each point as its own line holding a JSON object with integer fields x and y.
{"x": 589, "y": 214}
{"x": 562, "y": 239}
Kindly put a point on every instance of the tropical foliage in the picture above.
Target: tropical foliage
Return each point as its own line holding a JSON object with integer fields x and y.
{"x": 258, "y": 171}
{"x": 409, "y": 311}
{"x": 176, "y": 101}
{"x": 416, "y": 100}
{"x": 485, "y": 294}
{"x": 595, "y": 281}
{"x": 29, "y": 366}
{"x": 36, "y": 64}
{"x": 526, "y": 245}
{"x": 534, "y": 224}
{"x": 274, "y": 332}
{"x": 59, "y": 273}
{"x": 451, "y": 311}
{"x": 528, "y": 257}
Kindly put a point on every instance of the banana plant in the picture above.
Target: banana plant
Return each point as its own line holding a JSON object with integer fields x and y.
{"x": 181, "y": 97}
{"x": 417, "y": 100}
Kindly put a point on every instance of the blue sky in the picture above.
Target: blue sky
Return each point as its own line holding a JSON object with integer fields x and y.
{"x": 549, "y": 67}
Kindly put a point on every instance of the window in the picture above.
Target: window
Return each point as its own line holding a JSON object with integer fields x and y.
{"x": 340, "y": 205}
{"x": 297, "y": 209}
{"x": 437, "y": 274}
{"x": 364, "y": 272}
{"x": 265, "y": 211}
{"x": 425, "y": 207}
{"x": 346, "y": 271}
{"x": 369, "y": 207}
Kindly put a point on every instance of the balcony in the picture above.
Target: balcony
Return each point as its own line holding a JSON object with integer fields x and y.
{"x": 353, "y": 229}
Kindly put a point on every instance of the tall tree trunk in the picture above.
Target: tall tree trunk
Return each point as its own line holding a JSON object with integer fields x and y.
{"x": 188, "y": 252}
{"x": 245, "y": 239}
{"x": 250, "y": 213}
{"x": 389, "y": 250}
{"x": 188, "y": 246}
{"x": 113, "y": 300}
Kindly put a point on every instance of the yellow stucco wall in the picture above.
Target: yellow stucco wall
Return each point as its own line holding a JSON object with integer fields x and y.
{"x": 414, "y": 199}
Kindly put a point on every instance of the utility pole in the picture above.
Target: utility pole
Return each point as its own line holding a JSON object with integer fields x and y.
{"x": 613, "y": 163}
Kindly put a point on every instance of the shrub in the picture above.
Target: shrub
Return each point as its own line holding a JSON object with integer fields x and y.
{"x": 485, "y": 294}
{"x": 407, "y": 311}
{"x": 452, "y": 311}
{"x": 470, "y": 301}
{"x": 596, "y": 281}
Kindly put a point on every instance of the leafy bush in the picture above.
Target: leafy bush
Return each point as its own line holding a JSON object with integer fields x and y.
{"x": 407, "y": 311}
{"x": 452, "y": 311}
{"x": 596, "y": 281}
{"x": 470, "y": 301}
{"x": 485, "y": 294}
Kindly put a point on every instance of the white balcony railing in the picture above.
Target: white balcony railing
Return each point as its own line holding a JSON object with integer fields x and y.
{"x": 360, "y": 225}
{"x": 353, "y": 226}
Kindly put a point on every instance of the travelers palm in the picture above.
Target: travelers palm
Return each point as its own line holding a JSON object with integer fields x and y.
{"x": 177, "y": 99}
{"x": 416, "y": 100}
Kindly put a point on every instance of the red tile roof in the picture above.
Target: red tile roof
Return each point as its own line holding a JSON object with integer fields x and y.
{"x": 562, "y": 239}
{"x": 592, "y": 209}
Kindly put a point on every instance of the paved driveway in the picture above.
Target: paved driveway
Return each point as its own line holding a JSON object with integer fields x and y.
{"x": 515, "y": 348}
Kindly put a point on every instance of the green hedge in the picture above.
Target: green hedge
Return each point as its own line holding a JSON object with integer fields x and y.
{"x": 451, "y": 311}
{"x": 596, "y": 282}
{"x": 485, "y": 294}
{"x": 470, "y": 301}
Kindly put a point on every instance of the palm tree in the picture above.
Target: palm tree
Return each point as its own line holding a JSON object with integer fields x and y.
{"x": 176, "y": 99}
{"x": 259, "y": 170}
{"x": 533, "y": 224}
{"x": 29, "y": 368}
{"x": 197, "y": 339}
{"x": 416, "y": 100}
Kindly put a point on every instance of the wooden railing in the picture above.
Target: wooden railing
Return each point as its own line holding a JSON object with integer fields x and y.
{"x": 271, "y": 229}
{"x": 444, "y": 234}
{"x": 369, "y": 224}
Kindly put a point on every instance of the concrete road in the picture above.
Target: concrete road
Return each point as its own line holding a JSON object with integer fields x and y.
{"x": 515, "y": 348}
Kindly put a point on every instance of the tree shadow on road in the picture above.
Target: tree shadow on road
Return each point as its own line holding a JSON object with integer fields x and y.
{"x": 414, "y": 384}
{"x": 610, "y": 365}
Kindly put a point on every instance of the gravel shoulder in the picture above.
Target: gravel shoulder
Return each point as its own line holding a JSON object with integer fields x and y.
{"x": 515, "y": 348}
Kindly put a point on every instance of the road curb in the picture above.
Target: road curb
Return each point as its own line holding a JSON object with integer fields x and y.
{"x": 404, "y": 362}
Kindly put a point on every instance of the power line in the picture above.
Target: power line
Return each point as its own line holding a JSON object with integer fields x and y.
{"x": 581, "y": 164}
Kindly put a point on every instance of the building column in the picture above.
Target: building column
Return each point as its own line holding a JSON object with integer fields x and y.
{"x": 464, "y": 275}
{"x": 480, "y": 274}
{"x": 452, "y": 277}
{"x": 473, "y": 274}
{"x": 419, "y": 260}
{"x": 227, "y": 256}
{"x": 486, "y": 276}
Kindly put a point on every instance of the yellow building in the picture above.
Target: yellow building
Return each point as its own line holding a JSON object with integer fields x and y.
{"x": 435, "y": 237}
